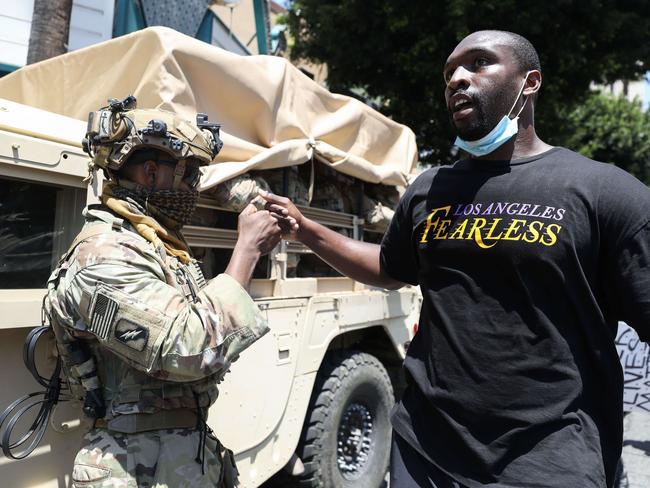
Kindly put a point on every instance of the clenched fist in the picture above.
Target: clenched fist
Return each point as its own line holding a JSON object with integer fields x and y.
{"x": 259, "y": 230}
{"x": 284, "y": 209}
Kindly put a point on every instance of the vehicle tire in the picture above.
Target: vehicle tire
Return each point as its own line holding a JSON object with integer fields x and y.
{"x": 346, "y": 438}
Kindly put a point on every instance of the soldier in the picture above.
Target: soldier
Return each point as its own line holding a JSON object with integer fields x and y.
{"x": 143, "y": 337}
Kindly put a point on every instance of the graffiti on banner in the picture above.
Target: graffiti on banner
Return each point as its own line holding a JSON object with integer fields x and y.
{"x": 635, "y": 360}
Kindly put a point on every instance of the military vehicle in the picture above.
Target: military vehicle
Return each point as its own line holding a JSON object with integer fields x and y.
{"x": 307, "y": 404}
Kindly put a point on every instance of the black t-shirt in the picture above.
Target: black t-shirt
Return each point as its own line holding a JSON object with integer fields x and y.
{"x": 525, "y": 268}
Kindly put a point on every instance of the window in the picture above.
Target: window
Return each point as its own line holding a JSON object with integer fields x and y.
{"x": 37, "y": 223}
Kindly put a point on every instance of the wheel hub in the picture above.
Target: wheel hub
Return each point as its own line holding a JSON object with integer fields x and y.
{"x": 353, "y": 440}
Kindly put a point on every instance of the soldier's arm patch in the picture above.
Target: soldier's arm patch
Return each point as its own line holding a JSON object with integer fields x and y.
{"x": 128, "y": 327}
{"x": 102, "y": 315}
{"x": 133, "y": 335}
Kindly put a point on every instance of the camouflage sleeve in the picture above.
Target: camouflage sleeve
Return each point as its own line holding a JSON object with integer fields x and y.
{"x": 122, "y": 298}
{"x": 223, "y": 301}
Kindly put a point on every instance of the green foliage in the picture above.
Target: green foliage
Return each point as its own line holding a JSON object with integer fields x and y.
{"x": 613, "y": 130}
{"x": 394, "y": 51}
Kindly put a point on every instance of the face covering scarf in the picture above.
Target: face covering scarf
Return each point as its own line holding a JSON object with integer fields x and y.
{"x": 502, "y": 132}
{"x": 114, "y": 197}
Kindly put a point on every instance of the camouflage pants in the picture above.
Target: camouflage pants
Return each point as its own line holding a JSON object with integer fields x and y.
{"x": 154, "y": 459}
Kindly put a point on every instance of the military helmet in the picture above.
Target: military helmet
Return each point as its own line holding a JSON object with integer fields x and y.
{"x": 116, "y": 131}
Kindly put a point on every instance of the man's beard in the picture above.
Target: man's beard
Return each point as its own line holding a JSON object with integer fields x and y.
{"x": 489, "y": 109}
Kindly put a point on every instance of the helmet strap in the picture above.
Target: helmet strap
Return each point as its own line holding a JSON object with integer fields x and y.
{"x": 130, "y": 185}
{"x": 179, "y": 173}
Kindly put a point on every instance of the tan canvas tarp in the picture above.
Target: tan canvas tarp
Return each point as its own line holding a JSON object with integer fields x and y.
{"x": 272, "y": 115}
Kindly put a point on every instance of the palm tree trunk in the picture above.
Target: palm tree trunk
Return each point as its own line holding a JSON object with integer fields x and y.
{"x": 50, "y": 29}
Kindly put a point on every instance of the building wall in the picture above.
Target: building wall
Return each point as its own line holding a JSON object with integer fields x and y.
{"x": 635, "y": 89}
{"x": 91, "y": 22}
{"x": 240, "y": 19}
{"x": 225, "y": 39}
{"x": 15, "y": 24}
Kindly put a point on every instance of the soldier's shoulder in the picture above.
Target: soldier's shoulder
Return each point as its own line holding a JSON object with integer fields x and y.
{"x": 107, "y": 237}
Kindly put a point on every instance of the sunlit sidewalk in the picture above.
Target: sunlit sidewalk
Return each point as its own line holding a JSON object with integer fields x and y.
{"x": 636, "y": 450}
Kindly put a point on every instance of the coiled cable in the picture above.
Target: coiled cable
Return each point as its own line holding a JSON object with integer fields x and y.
{"x": 45, "y": 400}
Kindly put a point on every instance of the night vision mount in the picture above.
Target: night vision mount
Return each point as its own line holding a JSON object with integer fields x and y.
{"x": 158, "y": 128}
{"x": 203, "y": 124}
{"x": 116, "y": 105}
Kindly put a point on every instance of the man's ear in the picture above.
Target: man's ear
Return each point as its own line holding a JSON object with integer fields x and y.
{"x": 533, "y": 82}
{"x": 150, "y": 172}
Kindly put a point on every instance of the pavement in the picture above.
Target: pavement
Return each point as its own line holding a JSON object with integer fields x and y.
{"x": 636, "y": 450}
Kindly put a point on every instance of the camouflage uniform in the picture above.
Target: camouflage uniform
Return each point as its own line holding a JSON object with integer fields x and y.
{"x": 162, "y": 339}
{"x": 236, "y": 193}
{"x": 149, "y": 459}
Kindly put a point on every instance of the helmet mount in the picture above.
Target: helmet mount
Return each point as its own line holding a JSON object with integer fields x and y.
{"x": 116, "y": 131}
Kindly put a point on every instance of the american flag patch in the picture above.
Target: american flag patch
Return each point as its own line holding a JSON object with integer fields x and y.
{"x": 102, "y": 316}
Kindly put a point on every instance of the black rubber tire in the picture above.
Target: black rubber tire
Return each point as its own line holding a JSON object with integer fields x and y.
{"x": 346, "y": 378}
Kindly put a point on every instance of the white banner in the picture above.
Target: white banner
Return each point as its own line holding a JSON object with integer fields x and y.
{"x": 635, "y": 360}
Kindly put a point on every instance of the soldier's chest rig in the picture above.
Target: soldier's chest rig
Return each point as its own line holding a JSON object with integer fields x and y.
{"x": 75, "y": 375}
{"x": 123, "y": 398}
{"x": 186, "y": 278}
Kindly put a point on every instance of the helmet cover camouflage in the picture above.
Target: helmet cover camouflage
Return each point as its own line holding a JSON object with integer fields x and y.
{"x": 116, "y": 131}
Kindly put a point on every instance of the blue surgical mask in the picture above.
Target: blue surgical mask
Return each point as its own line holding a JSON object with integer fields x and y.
{"x": 502, "y": 132}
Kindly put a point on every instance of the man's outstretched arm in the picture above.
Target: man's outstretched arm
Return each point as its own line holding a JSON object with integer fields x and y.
{"x": 356, "y": 259}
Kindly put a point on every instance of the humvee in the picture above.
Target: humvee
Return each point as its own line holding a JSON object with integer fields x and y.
{"x": 307, "y": 404}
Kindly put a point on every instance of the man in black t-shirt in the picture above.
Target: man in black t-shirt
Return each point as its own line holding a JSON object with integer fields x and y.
{"x": 527, "y": 256}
